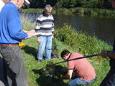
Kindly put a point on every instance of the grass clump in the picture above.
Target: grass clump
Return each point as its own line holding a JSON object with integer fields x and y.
{"x": 81, "y": 41}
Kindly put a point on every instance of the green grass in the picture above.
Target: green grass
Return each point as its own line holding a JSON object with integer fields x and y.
{"x": 80, "y": 41}
{"x": 32, "y": 10}
{"x": 30, "y": 51}
{"x": 66, "y": 37}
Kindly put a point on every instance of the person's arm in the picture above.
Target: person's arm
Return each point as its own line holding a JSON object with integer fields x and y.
{"x": 70, "y": 72}
{"x": 70, "y": 68}
{"x": 68, "y": 75}
{"x": 111, "y": 54}
{"x": 14, "y": 25}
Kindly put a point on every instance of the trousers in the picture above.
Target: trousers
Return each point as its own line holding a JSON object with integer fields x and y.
{"x": 14, "y": 67}
{"x": 45, "y": 46}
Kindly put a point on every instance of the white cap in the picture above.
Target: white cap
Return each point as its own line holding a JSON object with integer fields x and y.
{"x": 27, "y": 2}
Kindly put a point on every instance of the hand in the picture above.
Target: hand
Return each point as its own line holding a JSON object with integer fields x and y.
{"x": 66, "y": 76}
{"x": 31, "y": 33}
{"x": 110, "y": 54}
{"x": 53, "y": 34}
{"x": 38, "y": 40}
{"x": 104, "y": 53}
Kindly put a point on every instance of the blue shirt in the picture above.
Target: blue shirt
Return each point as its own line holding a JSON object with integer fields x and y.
{"x": 10, "y": 25}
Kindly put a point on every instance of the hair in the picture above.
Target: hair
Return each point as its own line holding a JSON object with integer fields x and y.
{"x": 64, "y": 52}
{"x": 47, "y": 5}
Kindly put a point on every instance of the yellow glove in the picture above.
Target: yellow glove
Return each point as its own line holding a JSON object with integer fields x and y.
{"x": 21, "y": 44}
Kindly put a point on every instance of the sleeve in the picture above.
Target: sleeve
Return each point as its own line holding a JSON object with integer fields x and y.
{"x": 14, "y": 25}
{"x": 70, "y": 65}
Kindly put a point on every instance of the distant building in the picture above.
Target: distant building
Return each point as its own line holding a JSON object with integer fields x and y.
{"x": 113, "y": 3}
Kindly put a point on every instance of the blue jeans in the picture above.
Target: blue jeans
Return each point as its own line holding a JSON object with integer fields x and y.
{"x": 45, "y": 46}
{"x": 79, "y": 82}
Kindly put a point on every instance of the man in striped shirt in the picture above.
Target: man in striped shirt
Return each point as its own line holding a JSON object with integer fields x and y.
{"x": 45, "y": 28}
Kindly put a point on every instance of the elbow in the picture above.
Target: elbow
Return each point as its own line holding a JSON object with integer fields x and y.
{"x": 17, "y": 36}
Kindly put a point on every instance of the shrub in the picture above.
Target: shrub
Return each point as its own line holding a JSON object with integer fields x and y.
{"x": 80, "y": 41}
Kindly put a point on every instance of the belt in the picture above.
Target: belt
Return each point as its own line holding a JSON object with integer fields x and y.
{"x": 8, "y": 44}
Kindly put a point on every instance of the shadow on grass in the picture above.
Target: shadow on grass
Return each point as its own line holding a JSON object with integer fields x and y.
{"x": 48, "y": 76}
{"x": 30, "y": 50}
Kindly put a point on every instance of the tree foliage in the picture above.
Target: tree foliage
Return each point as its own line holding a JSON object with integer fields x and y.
{"x": 72, "y": 3}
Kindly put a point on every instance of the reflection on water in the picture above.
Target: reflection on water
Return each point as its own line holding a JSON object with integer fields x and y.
{"x": 102, "y": 28}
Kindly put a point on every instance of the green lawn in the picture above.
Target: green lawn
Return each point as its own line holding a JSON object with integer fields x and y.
{"x": 65, "y": 37}
{"x": 29, "y": 53}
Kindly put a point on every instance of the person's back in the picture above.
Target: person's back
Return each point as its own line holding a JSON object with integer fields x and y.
{"x": 82, "y": 67}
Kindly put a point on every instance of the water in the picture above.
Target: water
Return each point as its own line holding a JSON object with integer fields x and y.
{"x": 102, "y": 28}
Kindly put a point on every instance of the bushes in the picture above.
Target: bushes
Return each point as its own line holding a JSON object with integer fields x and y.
{"x": 87, "y": 12}
{"x": 81, "y": 41}
{"x": 73, "y": 3}
{"x": 66, "y": 35}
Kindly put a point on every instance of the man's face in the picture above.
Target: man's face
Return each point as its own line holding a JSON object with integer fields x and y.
{"x": 5, "y": 1}
{"x": 48, "y": 10}
{"x": 20, "y": 3}
{"x": 65, "y": 57}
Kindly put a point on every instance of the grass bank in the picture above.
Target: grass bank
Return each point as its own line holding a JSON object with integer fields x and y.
{"x": 65, "y": 37}
{"x": 95, "y": 12}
